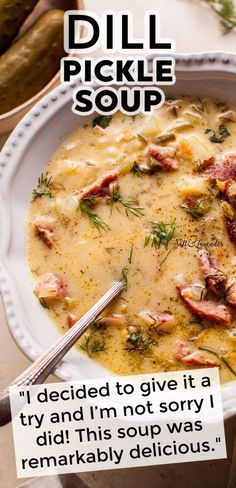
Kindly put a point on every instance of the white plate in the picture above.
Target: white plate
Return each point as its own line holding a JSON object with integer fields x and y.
{"x": 24, "y": 158}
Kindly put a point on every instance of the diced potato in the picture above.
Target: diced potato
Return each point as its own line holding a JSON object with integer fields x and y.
{"x": 192, "y": 186}
{"x": 66, "y": 205}
{"x": 151, "y": 128}
{"x": 201, "y": 151}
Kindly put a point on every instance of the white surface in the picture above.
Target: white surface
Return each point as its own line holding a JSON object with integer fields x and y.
{"x": 192, "y": 25}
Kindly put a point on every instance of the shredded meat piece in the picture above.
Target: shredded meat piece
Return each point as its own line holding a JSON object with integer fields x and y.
{"x": 162, "y": 156}
{"x": 112, "y": 320}
{"x": 161, "y": 317}
{"x": 100, "y": 188}
{"x": 230, "y": 192}
{"x": 215, "y": 277}
{"x": 50, "y": 285}
{"x": 206, "y": 163}
{"x": 231, "y": 229}
{"x": 190, "y": 354}
{"x": 44, "y": 226}
{"x": 208, "y": 309}
{"x": 230, "y": 295}
{"x": 222, "y": 170}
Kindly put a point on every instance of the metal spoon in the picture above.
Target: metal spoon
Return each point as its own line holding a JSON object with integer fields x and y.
{"x": 45, "y": 364}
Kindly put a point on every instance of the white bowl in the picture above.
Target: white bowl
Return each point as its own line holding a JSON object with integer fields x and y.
{"x": 24, "y": 158}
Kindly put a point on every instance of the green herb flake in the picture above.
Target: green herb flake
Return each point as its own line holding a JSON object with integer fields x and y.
{"x": 136, "y": 342}
{"x": 136, "y": 170}
{"x": 125, "y": 277}
{"x": 131, "y": 254}
{"x": 219, "y": 137}
{"x": 102, "y": 120}
{"x": 93, "y": 344}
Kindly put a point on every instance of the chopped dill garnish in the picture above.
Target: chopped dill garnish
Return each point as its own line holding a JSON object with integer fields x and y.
{"x": 221, "y": 136}
{"x": 220, "y": 357}
{"x": 131, "y": 254}
{"x": 86, "y": 207}
{"x": 196, "y": 212}
{"x": 136, "y": 342}
{"x": 129, "y": 204}
{"x": 92, "y": 344}
{"x": 102, "y": 120}
{"x": 225, "y": 10}
{"x": 165, "y": 258}
{"x": 161, "y": 234}
{"x": 43, "y": 188}
{"x": 137, "y": 170}
{"x": 125, "y": 277}
{"x": 95, "y": 346}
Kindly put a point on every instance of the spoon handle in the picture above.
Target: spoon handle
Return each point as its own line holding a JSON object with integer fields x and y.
{"x": 45, "y": 364}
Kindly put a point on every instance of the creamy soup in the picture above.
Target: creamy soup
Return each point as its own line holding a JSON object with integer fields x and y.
{"x": 152, "y": 199}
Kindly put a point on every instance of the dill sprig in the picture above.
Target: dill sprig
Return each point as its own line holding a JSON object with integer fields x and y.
{"x": 86, "y": 207}
{"x": 43, "y": 188}
{"x": 196, "y": 212}
{"x": 220, "y": 357}
{"x": 161, "y": 234}
{"x": 93, "y": 346}
{"x": 225, "y": 11}
{"x": 93, "y": 343}
{"x": 125, "y": 277}
{"x": 129, "y": 204}
{"x": 136, "y": 342}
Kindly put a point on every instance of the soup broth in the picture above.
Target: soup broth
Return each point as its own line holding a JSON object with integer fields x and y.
{"x": 152, "y": 199}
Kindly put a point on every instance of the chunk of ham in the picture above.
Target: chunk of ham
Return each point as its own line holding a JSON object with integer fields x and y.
{"x": 71, "y": 319}
{"x": 230, "y": 192}
{"x": 50, "y": 285}
{"x": 207, "y": 309}
{"x": 230, "y": 225}
{"x": 190, "y": 354}
{"x": 230, "y": 295}
{"x": 163, "y": 157}
{"x": 101, "y": 188}
{"x": 215, "y": 277}
{"x": 222, "y": 170}
{"x": 206, "y": 163}
{"x": 44, "y": 226}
